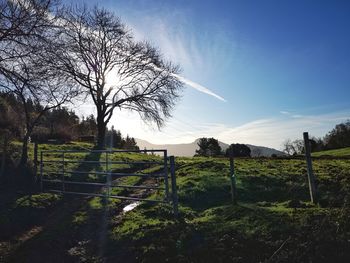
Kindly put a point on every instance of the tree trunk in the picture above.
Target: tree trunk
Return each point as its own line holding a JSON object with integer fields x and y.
{"x": 101, "y": 133}
{"x": 24, "y": 156}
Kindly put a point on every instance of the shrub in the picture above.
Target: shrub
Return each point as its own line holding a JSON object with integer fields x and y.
{"x": 40, "y": 134}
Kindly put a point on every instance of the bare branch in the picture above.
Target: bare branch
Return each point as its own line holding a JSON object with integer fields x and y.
{"x": 102, "y": 57}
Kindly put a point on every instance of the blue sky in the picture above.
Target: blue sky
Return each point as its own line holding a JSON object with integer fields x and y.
{"x": 282, "y": 67}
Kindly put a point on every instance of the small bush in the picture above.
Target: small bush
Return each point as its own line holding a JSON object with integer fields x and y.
{"x": 61, "y": 134}
{"x": 40, "y": 134}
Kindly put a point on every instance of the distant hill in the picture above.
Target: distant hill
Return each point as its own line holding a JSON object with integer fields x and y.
{"x": 343, "y": 152}
{"x": 183, "y": 149}
{"x": 189, "y": 149}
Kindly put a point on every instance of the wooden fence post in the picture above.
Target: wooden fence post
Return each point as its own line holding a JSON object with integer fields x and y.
{"x": 173, "y": 186}
{"x": 310, "y": 173}
{"x": 108, "y": 178}
{"x": 63, "y": 171}
{"x": 4, "y": 154}
{"x": 233, "y": 180}
{"x": 41, "y": 171}
{"x": 35, "y": 160}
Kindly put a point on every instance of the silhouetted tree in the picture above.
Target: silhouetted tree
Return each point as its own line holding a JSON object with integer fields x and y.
{"x": 87, "y": 126}
{"x": 130, "y": 143}
{"x": 115, "y": 139}
{"x": 23, "y": 25}
{"x": 39, "y": 91}
{"x": 26, "y": 27}
{"x": 339, "y": 137}
{"x": 11, "y": 118}
{"x": 62, "y": 123}
{"x": 238, "y": 150}
{"x": 102, "y": 57}
{"x": 316, "y": 144}
{"x": 208, "y": 147}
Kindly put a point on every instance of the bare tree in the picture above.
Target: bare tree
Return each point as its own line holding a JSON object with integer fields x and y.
{"x": 27, "y": 28}
{"x": 22, "y": 22}
{"x": 102, "y": 57}
{"x": 23, "y": 18}
{"x": 39, "y": 90}
{"x": 293, "y": 147}
{"x": 287, "y": 147}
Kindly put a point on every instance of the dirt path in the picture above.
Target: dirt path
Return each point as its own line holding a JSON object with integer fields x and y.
{"x": 72, "y": 232}
{"x": 45, "y": 242}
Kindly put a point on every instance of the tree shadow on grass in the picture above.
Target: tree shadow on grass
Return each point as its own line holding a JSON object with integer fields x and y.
{"x": 204, "y": 192}
{"x": 210, "y": 190}
{"x": 91, "y": 163}
{"x": 89, "y": 170}
{"x": 71, "y": 232}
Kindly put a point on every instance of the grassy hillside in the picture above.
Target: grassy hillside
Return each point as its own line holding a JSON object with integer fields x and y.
{"x": 273, "y": 221}
{"x": 344, "y": 152}
{"x": 273, "y": 211}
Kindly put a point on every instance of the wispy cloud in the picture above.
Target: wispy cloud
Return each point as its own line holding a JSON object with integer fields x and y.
{"x": 269, "y": 132}
{"x": 180, "y": 45}
{"x": 272, "y": 132}
{"x": 284, "y": 112}
{"x": 199, "y": 87}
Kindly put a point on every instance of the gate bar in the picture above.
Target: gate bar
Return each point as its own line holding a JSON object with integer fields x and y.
{"x": 111, "y": 196}
{"x": 166, "y": 175}
{"x": 112, "y": 174}
{"x": 102, "y": 151}
{"x": 109, "y": 183}
{"x": 102, "y": 162}
{"x": 104, "y": 184}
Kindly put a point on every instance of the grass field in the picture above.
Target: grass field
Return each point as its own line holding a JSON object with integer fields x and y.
{"x": 344, "y": 152}
{"x": 273, "y": 221}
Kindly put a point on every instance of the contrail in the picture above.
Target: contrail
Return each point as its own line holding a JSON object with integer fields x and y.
{"x": 193, "y": 84}
{"x": 198, "y": 87}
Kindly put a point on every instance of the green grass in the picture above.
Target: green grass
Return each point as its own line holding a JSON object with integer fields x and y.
{"x": 273, "y": 207}
{"x": 344, "y": 152}
{"x": 273, "y": 210}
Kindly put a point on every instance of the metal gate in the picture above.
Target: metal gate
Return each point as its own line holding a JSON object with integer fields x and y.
{"x": 110, "y": 174}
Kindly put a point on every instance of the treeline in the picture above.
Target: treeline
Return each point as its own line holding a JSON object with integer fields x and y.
{"x": 57, "y": 125}
{"x": 338, "y": 137}
{"x": 210, "y": 147}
